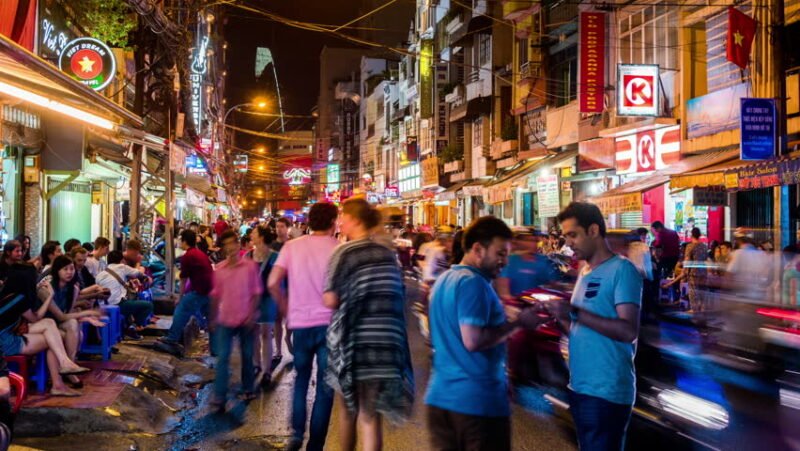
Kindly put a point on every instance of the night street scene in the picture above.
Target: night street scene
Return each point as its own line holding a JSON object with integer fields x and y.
{"x": 402, "y": 225}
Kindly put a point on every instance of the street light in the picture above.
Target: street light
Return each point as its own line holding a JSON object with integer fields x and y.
{"x": 258, "y": 104}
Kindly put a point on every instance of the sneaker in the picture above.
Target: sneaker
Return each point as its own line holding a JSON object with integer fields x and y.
{"x": 131, "y": 333}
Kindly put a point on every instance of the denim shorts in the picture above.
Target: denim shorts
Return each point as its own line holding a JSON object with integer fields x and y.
{"x": 11, "y": 343}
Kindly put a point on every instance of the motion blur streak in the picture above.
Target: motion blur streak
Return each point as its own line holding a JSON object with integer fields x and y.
{"x": 694, "y": 409}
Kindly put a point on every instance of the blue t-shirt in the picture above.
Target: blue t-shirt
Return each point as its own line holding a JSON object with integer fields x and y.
{"x": 598, "y": 365}
{"x": 524, "y": 274}
{"x": 472, "y": 383}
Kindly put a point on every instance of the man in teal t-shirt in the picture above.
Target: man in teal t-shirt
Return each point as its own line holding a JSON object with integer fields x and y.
{"x": 467, "y": 395}
{"x": 603, "y": 325}
{"x": 526, "y": 269}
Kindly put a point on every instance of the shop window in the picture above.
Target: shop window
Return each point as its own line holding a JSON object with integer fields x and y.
{"x": 650, "y": 36}
{"x": 563, "y": 76}
{"x": 631, "y": 220}
{"x": 477, "y": 132}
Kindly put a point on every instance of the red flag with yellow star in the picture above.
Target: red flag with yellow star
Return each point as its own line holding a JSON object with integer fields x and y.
{"x": 741, "y": 31}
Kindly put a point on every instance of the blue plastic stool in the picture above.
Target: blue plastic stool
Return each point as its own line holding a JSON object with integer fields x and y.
{"x": 115, "y": 322}
{"x": 19, "y": 363}
{"x": 104, "y": 348}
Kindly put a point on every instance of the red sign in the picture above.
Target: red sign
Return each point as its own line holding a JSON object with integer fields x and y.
{"x": 648, "y": 150}
{"x": 638, "y": 90}
{"x": 596, "y": 154}
{"x": 592, "y": 61}
{"x": 391, "y": 191}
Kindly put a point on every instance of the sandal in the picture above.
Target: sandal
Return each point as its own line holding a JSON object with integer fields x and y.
{"x": 64, "y": 394}
{"x": 75, "y": 384}
{"x": 76, "y": 370}
{"x": 247, "y": 396}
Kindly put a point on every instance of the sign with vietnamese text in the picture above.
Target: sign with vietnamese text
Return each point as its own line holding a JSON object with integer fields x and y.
{"x": 88, "y": 61}
{"x": 757, "y": 127}
{"x": 592, "y": 70}
{"x": 637, "y": 90}
{"x": 195, "y": 165}
{"x": 548, "y": 194}
{"x": 392, "y": 191}
{"x": 648, "y": 150}
{"x": 709, "y": 197}
{"x": 430, "y": 172}
{"x": 332, "y": 177}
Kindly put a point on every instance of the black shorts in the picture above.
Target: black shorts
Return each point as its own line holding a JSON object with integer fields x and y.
{"x": 453, "y": 431}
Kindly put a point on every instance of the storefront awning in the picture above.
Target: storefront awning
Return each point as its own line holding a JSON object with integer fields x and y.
{"x": 450, "y": 192}
{"x": 738, "y": 175}
{"x": 628, "y": 196}
{"x": 25, "y": 76}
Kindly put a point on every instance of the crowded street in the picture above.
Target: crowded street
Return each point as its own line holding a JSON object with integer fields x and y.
{"x": 445, "y": 225}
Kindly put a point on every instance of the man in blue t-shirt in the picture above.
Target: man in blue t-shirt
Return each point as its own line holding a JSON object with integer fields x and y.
{"x": 467, "y": 396}
{"x": 603, "y": 325}
{"x": 527, "y": 268}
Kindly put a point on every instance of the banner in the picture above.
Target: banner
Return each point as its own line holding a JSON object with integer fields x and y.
{"x": 430, "y": 172}
{"x": 549, "y": 202}
{"x": 592, "y": 70}
{"x": 715, "y": 112}
{"x": 596, "y": 154}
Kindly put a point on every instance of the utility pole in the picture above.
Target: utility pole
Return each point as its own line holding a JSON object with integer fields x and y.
{"x": 138, "y": 149}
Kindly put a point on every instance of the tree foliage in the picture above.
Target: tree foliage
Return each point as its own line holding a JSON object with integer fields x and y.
{"x": 110, "y": 21}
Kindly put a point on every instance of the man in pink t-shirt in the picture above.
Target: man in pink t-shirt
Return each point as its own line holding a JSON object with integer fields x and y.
{"x": 304, "y": 261}
{"x": 234, "y": 308}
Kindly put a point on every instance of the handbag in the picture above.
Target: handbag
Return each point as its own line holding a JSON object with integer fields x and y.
{"x": 131, "y": 294}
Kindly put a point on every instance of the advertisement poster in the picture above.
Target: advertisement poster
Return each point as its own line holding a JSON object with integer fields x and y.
{"x": 715, "y": 112}
{"x": 758, "y": 133}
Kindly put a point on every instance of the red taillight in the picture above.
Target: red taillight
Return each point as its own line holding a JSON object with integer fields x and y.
{"x": 786, "y": 315}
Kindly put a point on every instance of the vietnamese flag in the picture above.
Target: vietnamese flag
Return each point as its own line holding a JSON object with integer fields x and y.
{"x": 741, "y": 31}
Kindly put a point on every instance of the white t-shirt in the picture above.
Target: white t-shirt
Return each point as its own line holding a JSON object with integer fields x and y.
{"x": 639, "y": 255}
{"x": 95, "y": 266}
{"x": 106, "y": 280}
{"x": 436, "y": 262}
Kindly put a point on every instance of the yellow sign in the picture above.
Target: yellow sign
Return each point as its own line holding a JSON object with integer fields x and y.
{"x": 619, "y": 204}
{"x": 430, "y": 172}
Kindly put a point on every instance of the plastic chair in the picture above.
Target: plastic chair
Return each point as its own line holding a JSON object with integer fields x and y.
{"x": 18, "y": 386}
{"x": 39, "y": 371}
{"x": 115, "y": 322}
{"x": 104, "y": 347}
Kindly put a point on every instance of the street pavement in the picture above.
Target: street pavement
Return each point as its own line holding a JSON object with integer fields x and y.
{"x": 264, "y": 423}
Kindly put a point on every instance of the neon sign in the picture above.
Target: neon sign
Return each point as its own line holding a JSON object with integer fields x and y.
{"x": 54, "y": 40}
{"x": 88, "y": 61}
{"x": 198, "y": 71}
{"x": 296, "y": 176}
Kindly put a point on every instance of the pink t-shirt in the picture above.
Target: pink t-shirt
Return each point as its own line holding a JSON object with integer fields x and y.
{"x": 235, "y": 287}
{"x": 305, "y": 260}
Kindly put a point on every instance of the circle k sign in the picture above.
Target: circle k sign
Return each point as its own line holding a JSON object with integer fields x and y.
{"x": 637, "y": 90}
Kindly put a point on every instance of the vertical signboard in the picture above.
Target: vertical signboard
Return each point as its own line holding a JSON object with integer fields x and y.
{"x": 637, "y": 90}
{"x": 430, "y": 172}
{"x": 758, "y": 134}
{"x": 426, "y": 82}
{"x": 591, "y": 80}
{"x": 547, "y": 187}
{"x": 197, "y": 77}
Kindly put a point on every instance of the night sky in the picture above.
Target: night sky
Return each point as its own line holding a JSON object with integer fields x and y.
{"x": 295, "y": 51}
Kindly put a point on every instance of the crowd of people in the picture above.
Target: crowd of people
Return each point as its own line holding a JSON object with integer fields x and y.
{"x": 332, "y": 291}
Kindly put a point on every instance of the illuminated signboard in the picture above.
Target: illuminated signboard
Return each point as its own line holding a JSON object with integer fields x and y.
{"x": 56, "y": 29}
{"x": 410, "y": 179}
{"x": 426, "y": 79}
{"x": 195, "y": 165}
{"x": 637, "y": 90}
{"x": 196, "y": 76}
{"x": 648, "y": 150}
{"x": 88, "y": 61}
{"x": 240, "y": 163}
{"x": 332, "y": 177}
{"x": 297, "y": 176}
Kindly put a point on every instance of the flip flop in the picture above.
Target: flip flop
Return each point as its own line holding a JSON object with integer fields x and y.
{"x": 64, "y": 394}
{"x": 78, "y": 370}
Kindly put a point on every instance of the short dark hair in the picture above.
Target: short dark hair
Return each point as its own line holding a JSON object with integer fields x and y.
{"x": 101, "y": 241}
{"x": 228, "y": 234}
{"x": 696, "y": 234}
{"x": 585, "y": 214}
{"x": 642, "y": 231}
{"x": 72, "y": 242}
{"x": 658, "y": 225}
{"x": 726, "y": 244}
{"x": 9, "y": 247}
{"x": 265, "y": 233}
{"x": 484, "y": 230}
{"x": 285, "y": 221}
{"x": 322, "y": 216}
{"x": 77, "y": 250}
{"x": 88, "y": 246}
{"x": 189, "y": 237}
{"x": 114, "y": 257}
{"x": 48, "y": 248}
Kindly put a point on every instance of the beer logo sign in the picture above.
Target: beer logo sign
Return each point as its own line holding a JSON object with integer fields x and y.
{"x": 88, "y": 61}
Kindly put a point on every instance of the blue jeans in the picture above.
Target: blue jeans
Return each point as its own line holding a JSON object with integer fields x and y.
{"x": 223, "y": 343}
{"x": 601, "y": 425}
{"x": 308, "y": 343}
{"x": 191, "y": 304}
